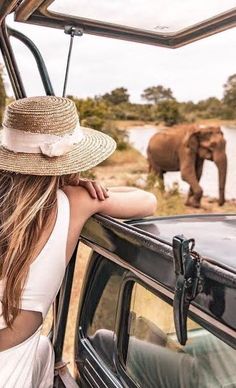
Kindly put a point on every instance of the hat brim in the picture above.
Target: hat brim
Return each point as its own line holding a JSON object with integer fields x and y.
{"x": 94, "y": 147}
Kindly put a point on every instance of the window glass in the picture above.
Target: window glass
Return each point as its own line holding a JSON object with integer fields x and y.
{"x": 156, "y": 359}
{"x": 104, "y": 317}
{"x": 152, "y": 15}
{"x": 105, "y": 293}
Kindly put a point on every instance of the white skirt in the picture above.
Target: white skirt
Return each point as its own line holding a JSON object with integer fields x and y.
{"x": 29, "y": 364}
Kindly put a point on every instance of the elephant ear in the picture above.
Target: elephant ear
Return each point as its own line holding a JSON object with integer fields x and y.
{"x": 191, "y": 139}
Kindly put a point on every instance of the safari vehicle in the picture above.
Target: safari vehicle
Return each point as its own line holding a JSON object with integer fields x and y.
{"x": 159, "y": 296}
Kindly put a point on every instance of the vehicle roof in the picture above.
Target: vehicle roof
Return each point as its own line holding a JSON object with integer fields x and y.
{"x": 141, "y": 243}
{"x": 215, "y": 235}
{"x": 41, "y": 13}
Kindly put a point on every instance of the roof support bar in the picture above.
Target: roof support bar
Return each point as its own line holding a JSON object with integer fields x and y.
{"x": 38, "y": 58}
{"x": 72, "y": 31}
{"x": 10, "y": 63}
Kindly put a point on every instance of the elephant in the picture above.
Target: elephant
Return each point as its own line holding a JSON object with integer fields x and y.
{"x": 184, "y": 148}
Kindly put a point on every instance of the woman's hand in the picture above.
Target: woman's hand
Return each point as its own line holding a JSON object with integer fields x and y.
{"x": 95, "y": 189}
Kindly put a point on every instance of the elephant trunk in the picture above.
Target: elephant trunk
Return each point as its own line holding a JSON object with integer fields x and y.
{"x": 221, "y": 163}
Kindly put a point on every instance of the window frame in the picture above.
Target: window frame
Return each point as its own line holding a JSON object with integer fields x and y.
{"x": 40, "y": 13}
{"x": 96, "y": 260}
{"x": 122, "y": 338}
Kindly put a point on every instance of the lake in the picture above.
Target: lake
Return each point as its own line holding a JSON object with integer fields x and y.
{"x": 139, "y": 137}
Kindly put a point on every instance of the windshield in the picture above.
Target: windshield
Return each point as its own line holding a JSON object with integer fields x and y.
{"x": 152, "y": 15}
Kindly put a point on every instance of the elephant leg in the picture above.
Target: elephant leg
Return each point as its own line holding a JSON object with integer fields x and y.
{"x": 194, "y": 197}
{"x": 161, "y": 180}
{"x": 158, "y": 171}
{"x": 160, "y": 174}
{"x": 189, "y": 175}
{"x": 199, "y": 167}
{"x": 189, "y": 197}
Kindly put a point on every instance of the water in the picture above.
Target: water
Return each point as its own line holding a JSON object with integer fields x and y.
{"x": 139, "y": 137}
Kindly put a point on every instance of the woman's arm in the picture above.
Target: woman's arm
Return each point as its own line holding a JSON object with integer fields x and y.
{"x": 127, "y": 202}
{"x": 119, "y": 202}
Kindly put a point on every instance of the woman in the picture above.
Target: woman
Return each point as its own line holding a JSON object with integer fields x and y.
{"x": 43, "y": 207}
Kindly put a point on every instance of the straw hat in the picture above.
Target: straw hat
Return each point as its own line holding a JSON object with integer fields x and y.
{"x": 42, "y": 136}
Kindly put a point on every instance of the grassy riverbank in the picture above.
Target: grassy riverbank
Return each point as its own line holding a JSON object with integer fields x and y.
{"x": 126, "y": 124}
{"x": 130, "y": 168}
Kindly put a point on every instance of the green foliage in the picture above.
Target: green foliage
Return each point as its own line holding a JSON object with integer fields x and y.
{"x": 229, "y": 98}
{"x": 157, "y": 94}
{"x": 165, "y": 108}
{"x": 92, "y": 107}
{"x": 120, "y": 111}
{"x": 144, "y": 111}
{"x": 3, "y": 94}
{"x": 97, "y": 114}
{"x": 228, "y": 113}
{"x": 209, "y": 108}
{"x": 116, "y": 96}
{"x": 92, "y": 112}
{"x": 120, "y": 136}
{"x": 187, "y": 107}
{"x": 168, "y": 112}
{"x": 94, "y": 122}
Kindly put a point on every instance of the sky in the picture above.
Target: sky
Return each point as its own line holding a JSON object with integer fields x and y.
{"x": 98, "y": 65}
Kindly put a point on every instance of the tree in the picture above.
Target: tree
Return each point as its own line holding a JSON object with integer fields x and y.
{"x": 168, "y": 112}
{"x": 92, "y": 112}
{"x": 117, "y": 96}
{"x": 229, "y": 98}
{"x": 3, "y": 94}
{"x": 209, "y": 108}
{"x": 157, "y": 93}
{"x": 97, "y": 114}
{"x": 188, "y": 107}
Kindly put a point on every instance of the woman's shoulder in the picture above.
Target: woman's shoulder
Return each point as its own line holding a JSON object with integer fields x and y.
{"x": 82, "y": 206}
{"x": 81, "y": 203}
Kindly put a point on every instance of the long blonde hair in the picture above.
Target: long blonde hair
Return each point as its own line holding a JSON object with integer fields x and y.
{"x": 26, "y": 206}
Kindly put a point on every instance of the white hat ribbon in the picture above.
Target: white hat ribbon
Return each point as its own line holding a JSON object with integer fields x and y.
{"x": 50, "y": 145}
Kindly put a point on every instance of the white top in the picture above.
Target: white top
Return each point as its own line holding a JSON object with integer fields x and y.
{"x": 47, "y": 270}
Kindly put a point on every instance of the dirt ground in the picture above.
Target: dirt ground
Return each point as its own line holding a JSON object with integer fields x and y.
{"x": 129, "y": 168}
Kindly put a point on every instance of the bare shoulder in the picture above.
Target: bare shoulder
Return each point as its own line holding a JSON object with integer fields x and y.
{"x": 82, "y": 206}
{"x": 81, "y": 203}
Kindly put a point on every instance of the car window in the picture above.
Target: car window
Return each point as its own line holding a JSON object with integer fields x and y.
{"x": 105, "y": 290}
{"x": 156, "y": 359}
{"x": 131, "y": 13}
{"x": 104, "y": 317}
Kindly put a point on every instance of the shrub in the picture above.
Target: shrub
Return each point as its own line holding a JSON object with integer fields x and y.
{"x": 168, "y": 112}
{"x": 120, "y": 136}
